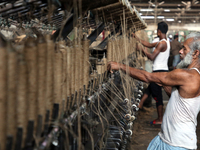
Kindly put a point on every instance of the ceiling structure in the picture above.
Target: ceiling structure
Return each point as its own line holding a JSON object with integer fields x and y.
{"x": 174, "y": 12}
{"x": 53, "y": 11}
{"x": 65, "y": 15}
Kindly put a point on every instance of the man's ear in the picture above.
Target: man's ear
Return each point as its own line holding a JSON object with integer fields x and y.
{"x": 196, "y": 54}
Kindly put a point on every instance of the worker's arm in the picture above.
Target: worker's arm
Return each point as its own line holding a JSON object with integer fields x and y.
{"x": 145, "y": 43}
{"x": 160, "y": 47}
{"x": 176, "y": 77}
{"x": 168, "y": 90}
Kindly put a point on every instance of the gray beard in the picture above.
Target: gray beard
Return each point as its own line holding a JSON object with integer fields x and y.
{"x": 185, "y": 62}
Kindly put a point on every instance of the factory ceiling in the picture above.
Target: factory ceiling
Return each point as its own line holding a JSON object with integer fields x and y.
{"x": 173, "y": 11}
{"x": 152, "y": 11}
{"x": 88, "y": 13}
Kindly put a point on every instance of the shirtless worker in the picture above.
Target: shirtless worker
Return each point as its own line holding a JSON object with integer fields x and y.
{"x": 178, "y": 129}
{"x": 159, "y": 56}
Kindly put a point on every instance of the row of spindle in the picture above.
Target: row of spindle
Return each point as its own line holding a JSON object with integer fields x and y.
{"x": 36, "y": 77}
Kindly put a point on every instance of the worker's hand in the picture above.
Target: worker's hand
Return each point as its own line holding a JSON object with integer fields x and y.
{"x": 113, "y": 66}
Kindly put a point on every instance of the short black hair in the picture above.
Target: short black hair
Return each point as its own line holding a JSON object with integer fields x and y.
{"x": 175, "y": 36}
{"x": 163, "y": 27}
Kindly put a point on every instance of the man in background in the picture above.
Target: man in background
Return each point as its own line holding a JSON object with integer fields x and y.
{"x": 175, "y": 48}
{"x": 159, "y": 56}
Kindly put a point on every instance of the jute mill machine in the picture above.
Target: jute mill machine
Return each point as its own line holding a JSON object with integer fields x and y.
{"x": 56, "y": 92}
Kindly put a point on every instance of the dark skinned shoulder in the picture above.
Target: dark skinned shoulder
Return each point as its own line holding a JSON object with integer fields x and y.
{"x": 163, "y": 46}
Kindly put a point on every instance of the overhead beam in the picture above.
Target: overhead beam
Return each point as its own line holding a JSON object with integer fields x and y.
{"x": 163, "y": 5}
{"x": 171, "y": 10}
{"x": 173, "y": 14}
{"x": 175, "y": 17}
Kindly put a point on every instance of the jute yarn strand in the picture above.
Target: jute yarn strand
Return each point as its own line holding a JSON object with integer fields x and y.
{"x": 31, "y": 60}
{"x": 133, "y": 43}
{"x": 49, "y": 74}
{"x": 68, "y": 71}
{"x": 142, "y": 35}
{"x": 115, "y": 46}
{"x": 77, "y": 67}
{"x": 3, "y": 76}
{"x": 76, "y": 61}
{"x": 63, "y": 50}
{"x": 99, "y": 67}
{"x": 72, "y": 76}
{"x": 21, "y": 91}
{"x": 129, "y": 46}
{"x": 127, "y": 49}
{"x": 119, "y": 51}
{"x": 73, "y": 70}
{"x": 109, "y": 51}
{"x": 112, "y": 51}
{"x": 11, "y": 92}
{"x": 118, "y": 48}
{"x": 86, "y": 64}
{"x": 41, "y": 78}
{"x": 57, "y": 75}
{"x": 104, "y": 63}
{"x": 77, "y": 73}
{"x": 81, "y": 61}
{"x": 125, "y": 46}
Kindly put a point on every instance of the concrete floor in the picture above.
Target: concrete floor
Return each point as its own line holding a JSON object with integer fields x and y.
{"x": 144, "y": 132}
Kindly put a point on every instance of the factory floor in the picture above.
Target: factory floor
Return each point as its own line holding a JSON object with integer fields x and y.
{"x": 143, "y": 132}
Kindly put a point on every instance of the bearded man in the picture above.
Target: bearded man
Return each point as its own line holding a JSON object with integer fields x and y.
{"x": 178, "y": 129}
